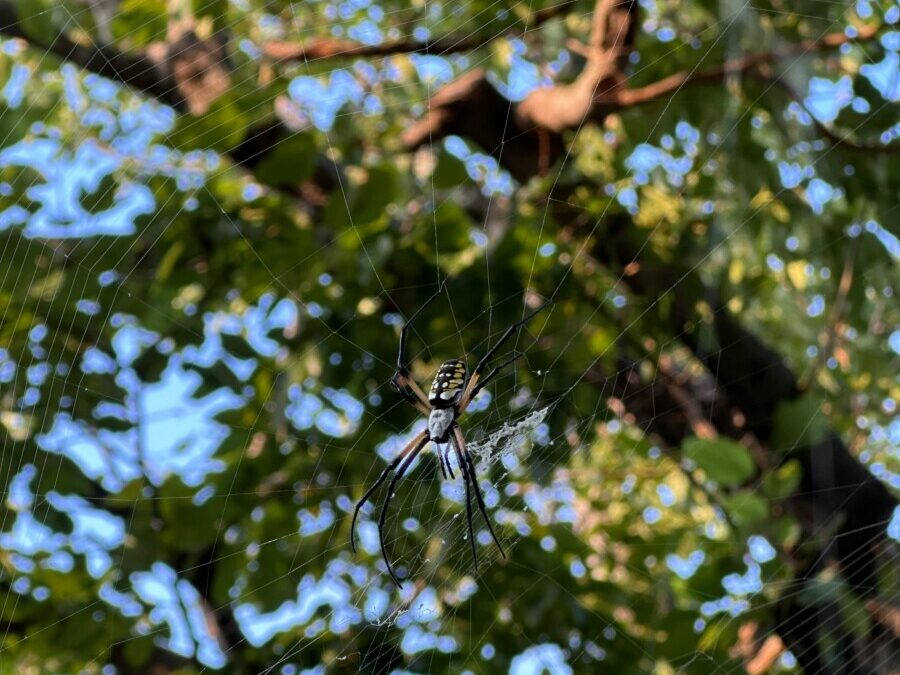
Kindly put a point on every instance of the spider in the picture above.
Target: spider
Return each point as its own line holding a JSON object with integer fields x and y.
{"x": 450, "y": 394}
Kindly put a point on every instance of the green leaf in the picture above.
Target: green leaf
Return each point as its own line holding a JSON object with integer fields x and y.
{"x": 290, "y": 162}
{"x": 186, "y": 534}
{"x": 724, "y": 461}
{"x": 379, "y": 190}
{"x": 140, "y": 21}
{"x": 746, "y": 507}
{"x": 150, "y": 364}
{"x": 36, "y": 19}
{"x": 449, "y": 172}
{"x": 138, "y": 651}
{"x": 222, "y": 128}
{"x": 799, "y": 423}
{"x": 855, "y": 615}
{"x": 114, "y": 424}
{"x": 783, "y": 481}
{"x": 237, "y": 345}
{"x": 47, "y": 287}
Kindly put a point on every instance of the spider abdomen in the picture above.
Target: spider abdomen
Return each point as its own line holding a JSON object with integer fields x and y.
{"x": 448, "y": 384}
{"x": 440, "y": 423}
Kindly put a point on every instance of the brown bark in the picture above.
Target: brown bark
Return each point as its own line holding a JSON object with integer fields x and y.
{"x": 526, "y": 137}
{"x": 137, "y": 70}
{"x": 317, "y": 49}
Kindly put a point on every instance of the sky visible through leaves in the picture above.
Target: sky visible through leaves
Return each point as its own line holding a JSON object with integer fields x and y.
{"x": 170, "y": 439}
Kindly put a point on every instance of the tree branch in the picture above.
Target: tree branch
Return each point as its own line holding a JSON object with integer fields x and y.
{"x": 526, "y": 137}
{"x": 137, "y": 70}
{"x": 833, "y": 135}
{"x": 835, "y": 316}
{"x": 837, "y": 493}
{"x": 187, "y": 75}
{"x": 566, "y": 106}
{"x": 318, "y": 49}
{"x": 627, "y": 98}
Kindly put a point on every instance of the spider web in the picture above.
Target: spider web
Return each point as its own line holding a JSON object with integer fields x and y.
{"x": 446, "y": 584}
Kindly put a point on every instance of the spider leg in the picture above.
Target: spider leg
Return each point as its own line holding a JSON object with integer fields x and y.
{"x": 415, "y": 449}
{"x": 482, "y": 364}
{"x": 384, "y": 474}
{"x": 446, "y": 459}
{"x": 401, "y": 380}
{"x": 411, "y": 392}
{"x": 468, "y": 466}
{"x": 441, "y": 458}
{"x": 496, "y": 371}
{"x": 462, "y": 466}
{"x": 402, "y": 360}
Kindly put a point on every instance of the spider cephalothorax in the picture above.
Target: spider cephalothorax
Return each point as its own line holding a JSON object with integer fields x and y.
{"x": 450, "y": 394}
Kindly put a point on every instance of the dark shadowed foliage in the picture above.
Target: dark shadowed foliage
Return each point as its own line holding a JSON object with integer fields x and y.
{"x": 215, "y": 217}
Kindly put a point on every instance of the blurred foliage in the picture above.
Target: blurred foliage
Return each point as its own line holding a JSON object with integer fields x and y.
{"x": 194, "y": 358}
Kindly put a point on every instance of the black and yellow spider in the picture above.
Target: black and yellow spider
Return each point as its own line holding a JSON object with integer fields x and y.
{"x": 450, "y": 394}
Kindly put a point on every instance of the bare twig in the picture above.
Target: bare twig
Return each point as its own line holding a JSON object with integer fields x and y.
{"x": 531, "y": 138}
{"x": 318, "y": 49}
{"x": 833, "y": 135}
{"x": 835, "y": 317}
{"x": 138, "y": 70}
{"x": 668, "y": 85}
